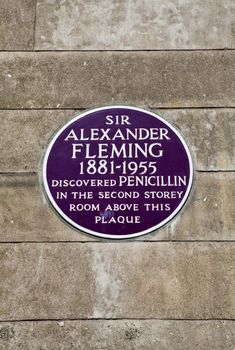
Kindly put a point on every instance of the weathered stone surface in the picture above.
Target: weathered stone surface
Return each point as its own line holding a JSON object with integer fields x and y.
{"x": 125, "y": 25}
{"x": 26, "y": 216}
{"x": 208, "y": 132}
{"x": 17, "y": 24}
{"x": 118, "y": 334}
{"x": 24, "y": 150}
{"x": 84, "y": 79}
{"x": 209, "y": 214}
{"x": 117, "y": 280}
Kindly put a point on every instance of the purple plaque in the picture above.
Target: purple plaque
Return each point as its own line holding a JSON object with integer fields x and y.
{"x": 117, "y": 172}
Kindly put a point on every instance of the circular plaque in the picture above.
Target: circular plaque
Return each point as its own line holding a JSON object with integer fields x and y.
{"x": 117, "y": 172}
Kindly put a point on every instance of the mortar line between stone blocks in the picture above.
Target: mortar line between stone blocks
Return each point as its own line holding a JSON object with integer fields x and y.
{"x": 118, "y": 241}
{"x": 120, "y": 319}
{"x": 88, "y": 107}
{"x": 50, "y": 109}
{"x": 225, "y": 49}
{"x": 215, "y": 171}
{"x": 13, "y": 173}
{"x": 34, "y": 30}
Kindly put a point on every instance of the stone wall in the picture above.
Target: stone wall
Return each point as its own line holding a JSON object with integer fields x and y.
{"x": 173, "y": 289}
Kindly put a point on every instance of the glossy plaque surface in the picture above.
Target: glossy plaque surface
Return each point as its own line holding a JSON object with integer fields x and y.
{"x": 117, "y": 172}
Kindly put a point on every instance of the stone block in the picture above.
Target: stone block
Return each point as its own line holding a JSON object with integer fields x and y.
{"x": 25, "y": 214}
{"x": 86, "y": 79}
{"x": 208, "y": 132}
{"x": 117, "y": 280}
{"x": 118, "y": 334}
{"x": 206, "y": 216}
{"x": 209, "y": 214}
{"x": 133, "y": 25}
{"x": 17, "y": 24}
{"x": 25, "y": 135}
